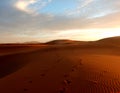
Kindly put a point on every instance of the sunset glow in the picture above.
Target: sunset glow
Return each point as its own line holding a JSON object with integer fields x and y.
{"x": 45, "y": 20}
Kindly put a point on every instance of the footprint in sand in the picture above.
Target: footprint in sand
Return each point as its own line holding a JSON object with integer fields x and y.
{"x": 75, "y": 67}
{"x": 25, "y": 89}
{"x": 30, "y": 81}
{"x": 66, "y": 75}
{"x": 105, "y": 71}
{"x": 42, "y": 75}
{"x": 81, "y": 63}
{"x": 62, "y": 90}
{"x": 67, "y": 82}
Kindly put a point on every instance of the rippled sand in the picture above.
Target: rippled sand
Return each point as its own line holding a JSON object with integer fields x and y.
{"x": 61, "y": 69}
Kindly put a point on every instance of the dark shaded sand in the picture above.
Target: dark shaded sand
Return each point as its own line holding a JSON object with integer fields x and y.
{"x": 7, "y": 49}
{"x": 84, "y": 68}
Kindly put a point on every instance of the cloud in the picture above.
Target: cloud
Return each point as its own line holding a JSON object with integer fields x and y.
{"x": 31, "y": 6}
{"x": 23, "y": 5}
{"x": 81, "y": 5}
{"x": 94, "y": 8}
{"x": 85, "y": 3}
{"x": 108, "y": 21}
{"x": 17, "y": 22}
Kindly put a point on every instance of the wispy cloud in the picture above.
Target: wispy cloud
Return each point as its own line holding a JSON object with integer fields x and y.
{"x": 17, "y": 22}
{"x": 85, "y": 3}
{"x": 31, "y": 6}
{"x": 81, "y": 5}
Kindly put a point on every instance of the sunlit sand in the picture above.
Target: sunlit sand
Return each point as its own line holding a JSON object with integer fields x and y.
{"x": 61, "y": 67}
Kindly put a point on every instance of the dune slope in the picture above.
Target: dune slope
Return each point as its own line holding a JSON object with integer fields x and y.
{"x": 62, "y": 69}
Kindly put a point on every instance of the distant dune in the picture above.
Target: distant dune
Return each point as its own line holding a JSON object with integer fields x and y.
{"x": 61, "y": 66}
{"x": 113, "y": 41}
{"x": 107, "y": 42}
{"x": 65, "y": 42}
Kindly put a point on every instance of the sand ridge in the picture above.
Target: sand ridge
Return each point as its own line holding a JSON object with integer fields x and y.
{"x": 61, "y": 69}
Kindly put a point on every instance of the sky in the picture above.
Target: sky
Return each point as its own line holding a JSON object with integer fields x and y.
{"x": 45, "y": 20}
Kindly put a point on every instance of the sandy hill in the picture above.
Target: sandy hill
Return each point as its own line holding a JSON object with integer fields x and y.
{"x": 61, "y": 69}
{"x": 112, "y": 41}
{"x": 64, "y": 42}
{"x": 107, "y": 42}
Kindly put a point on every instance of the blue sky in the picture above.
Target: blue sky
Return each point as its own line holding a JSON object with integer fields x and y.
{"x": 58, "y": 7}
{"x": 45, "y": 20}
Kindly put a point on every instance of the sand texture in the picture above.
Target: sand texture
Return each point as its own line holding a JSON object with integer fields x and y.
{"x": 90, "y": 67}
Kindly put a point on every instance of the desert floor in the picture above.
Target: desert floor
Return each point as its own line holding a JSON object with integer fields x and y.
{"x": 59, "y": 69}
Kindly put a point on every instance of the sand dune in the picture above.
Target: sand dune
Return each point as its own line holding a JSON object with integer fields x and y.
{"x": 66, "y": 42}
{"x": 86, "y": 68}
{"x": 7, "y": 49}
{"x": 113, "y": 41}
